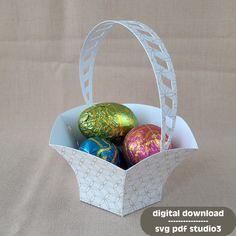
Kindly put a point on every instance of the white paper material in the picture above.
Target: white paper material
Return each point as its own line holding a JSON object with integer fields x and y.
{"x": 102, "y": 183}
{"x": 107, "y": 186}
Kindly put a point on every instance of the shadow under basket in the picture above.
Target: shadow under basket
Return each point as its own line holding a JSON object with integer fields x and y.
{"x": 106, "y": 185}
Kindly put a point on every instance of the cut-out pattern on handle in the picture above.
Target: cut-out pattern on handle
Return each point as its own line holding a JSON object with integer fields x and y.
{"x": 160, "y": 61}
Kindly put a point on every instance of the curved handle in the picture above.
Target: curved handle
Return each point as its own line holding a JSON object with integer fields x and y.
{"x": 160, "y": 61}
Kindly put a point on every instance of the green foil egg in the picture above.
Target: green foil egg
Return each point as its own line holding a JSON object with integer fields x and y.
{"x": 107, "y": 120}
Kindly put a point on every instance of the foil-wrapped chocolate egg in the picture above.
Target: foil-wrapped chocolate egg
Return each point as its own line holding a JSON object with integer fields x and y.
{"x": 101, "y": 148}
{"x": 111, "y": 121}
{"x": 141, "y": 142}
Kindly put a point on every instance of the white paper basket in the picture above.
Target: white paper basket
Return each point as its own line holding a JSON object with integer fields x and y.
{"x": 101, "y": 183}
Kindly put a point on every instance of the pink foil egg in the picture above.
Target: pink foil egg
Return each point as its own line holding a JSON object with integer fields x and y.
{"x": 142, "y": 142}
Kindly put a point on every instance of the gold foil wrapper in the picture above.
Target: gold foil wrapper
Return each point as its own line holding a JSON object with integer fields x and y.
{"x": 107, "y": 120}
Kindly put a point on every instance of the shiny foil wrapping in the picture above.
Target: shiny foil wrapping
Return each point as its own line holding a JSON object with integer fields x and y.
{"x": 141, "y": 142}
{"x": 111, "y": 121}
{"x": 101, "y": 148}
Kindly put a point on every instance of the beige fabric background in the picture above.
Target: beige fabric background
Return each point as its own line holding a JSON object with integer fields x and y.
{"x": 40, "y": 43}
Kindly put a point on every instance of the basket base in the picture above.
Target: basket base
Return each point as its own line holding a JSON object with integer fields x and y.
{"x": 118, "y": 212}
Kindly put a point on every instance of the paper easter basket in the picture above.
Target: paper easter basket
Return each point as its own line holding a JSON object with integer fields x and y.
{"x": 106, "y": 185}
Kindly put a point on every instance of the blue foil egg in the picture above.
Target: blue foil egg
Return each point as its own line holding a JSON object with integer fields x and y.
{"x": 101, "y": 148}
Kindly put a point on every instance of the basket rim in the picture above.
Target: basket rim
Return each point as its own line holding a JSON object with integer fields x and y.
{"x": 115, "y": 166}
{"x": 131, "y": 167}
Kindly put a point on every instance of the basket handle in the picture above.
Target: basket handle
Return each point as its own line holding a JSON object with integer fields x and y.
{"x": 160, "y": 61}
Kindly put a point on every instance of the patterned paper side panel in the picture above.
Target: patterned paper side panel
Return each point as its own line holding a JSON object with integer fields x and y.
{"x": 101, "y": 183}
{"x": 144, "y": 182}
{"x": 143, "y": 185}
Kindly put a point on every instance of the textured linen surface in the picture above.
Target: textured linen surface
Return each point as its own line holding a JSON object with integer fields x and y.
{"x": 40, "y": 43}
